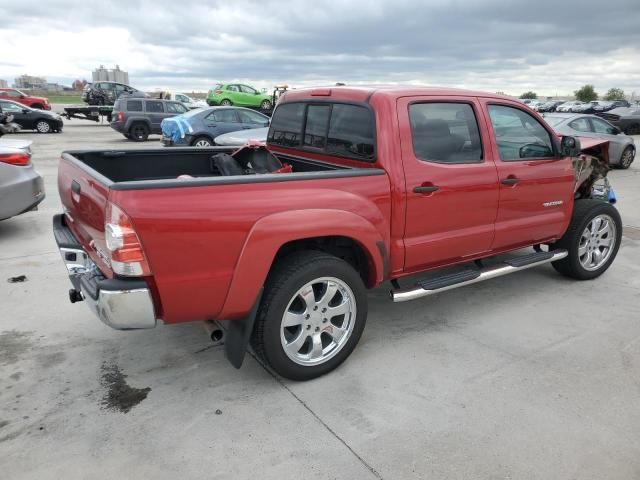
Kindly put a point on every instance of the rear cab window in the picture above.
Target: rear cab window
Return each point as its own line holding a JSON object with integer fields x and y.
{"x": 445, "y": 132}
{"x": 333, "y": 128}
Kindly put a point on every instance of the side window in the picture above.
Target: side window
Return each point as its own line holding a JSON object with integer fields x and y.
{"x": 14, "y": 94}
{"x": 153, "y": 107}
{"x": 182, "y": 98}
{"x": 175, "y": 108}
{"x": 600, "y": 126}
{"x": 134, "y": 105}
{"x": 351, "y": 132}
{"x": 249, "y": 90}
{"x": 223, "y": 116}
{"x": 11, "y": 107}
{"x": 519, "y": 135}
{"x": 315, "y": 132}
{"x": 445, "y": 133}
{"x": 581, "y": 125}
{"x": 232, "y": 88}
{"x": 252, "y": 118}
{"x": 286, "y": 125}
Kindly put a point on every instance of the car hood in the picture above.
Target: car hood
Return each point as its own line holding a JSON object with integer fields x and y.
{"x": 241, "y": 137}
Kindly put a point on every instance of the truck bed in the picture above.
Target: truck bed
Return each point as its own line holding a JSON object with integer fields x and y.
{"x": 133, "y": 169}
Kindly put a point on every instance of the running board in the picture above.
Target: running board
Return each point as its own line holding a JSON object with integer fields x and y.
{"x": 467, "y": 277}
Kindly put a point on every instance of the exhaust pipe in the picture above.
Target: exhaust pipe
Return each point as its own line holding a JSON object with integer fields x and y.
{"x": 215, "y": 331}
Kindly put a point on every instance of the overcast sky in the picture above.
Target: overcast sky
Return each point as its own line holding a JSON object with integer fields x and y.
{"x": 552, "y": 47}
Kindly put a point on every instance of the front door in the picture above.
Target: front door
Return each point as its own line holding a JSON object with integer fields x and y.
{"x": 451, "y": 183}
{"x": 536, "y": 183}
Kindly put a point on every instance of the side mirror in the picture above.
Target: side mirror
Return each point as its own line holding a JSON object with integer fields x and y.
{"x": 22, "y": 96}
{"x": 570, "y": 146}
{"x": 615, "y": 130}
{"x": 25, "y": 110}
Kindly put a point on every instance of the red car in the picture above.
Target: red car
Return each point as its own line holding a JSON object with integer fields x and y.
{"x": 20, "y": 97}
{"x": 357, "y": 186}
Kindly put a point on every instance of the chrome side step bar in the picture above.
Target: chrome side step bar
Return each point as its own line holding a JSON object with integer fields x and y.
{"x": 460, "y": 279}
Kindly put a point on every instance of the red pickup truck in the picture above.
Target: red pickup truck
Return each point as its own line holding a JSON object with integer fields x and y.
{"x": 28, "y": 100}
{"x": 381, "y": 184}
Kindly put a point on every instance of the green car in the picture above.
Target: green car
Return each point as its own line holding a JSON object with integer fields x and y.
{"x": 239, "y": 95}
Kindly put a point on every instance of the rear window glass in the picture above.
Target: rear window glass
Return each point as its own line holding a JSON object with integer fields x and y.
{"x": 286, "y": 125}
{"x": 134, "y": 105}
{"x": 154, "y": 107}
{"x": 337, "y": 129}
{"x": 445, "y": 132}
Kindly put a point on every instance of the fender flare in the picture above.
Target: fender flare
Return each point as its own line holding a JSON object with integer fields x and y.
{"x": 270, "y": 233}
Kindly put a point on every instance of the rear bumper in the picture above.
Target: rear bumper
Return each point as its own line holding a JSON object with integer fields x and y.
{"x": 21, "y": 190}
{"x": 120, "y": 304}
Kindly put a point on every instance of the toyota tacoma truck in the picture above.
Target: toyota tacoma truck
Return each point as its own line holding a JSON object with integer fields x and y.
{"x": 428, "y": 189}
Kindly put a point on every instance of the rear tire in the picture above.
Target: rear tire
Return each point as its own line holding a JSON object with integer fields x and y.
{"x": 202, "y": 142}
{"x": 627, "y": 157}
{"x": 592, "y": 240}
{"x": 226, "y": 103}
{"x": 139, "y": 132}
{"x": 312, "y": 314}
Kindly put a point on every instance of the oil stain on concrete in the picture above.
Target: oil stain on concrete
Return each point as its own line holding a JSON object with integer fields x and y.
{"x": 118, "y": 395}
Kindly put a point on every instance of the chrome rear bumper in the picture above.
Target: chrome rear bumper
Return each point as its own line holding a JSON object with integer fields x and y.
{"x": 120, "y": 304}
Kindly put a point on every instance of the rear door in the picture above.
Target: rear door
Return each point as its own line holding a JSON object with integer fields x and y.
{"x": 451, "y": 180}
{"x": 223, "y": 120}
{"x": 155, "y": 113}
{"x": 536, "y": 183}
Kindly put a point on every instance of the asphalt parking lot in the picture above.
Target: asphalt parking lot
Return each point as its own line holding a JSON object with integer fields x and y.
{"x": 529, "y": 376}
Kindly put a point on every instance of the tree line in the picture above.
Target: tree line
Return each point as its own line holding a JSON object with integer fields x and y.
{"x": 585, "y": 94}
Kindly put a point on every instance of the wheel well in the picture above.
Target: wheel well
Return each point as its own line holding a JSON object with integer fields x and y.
{"x": 345, "y": 248}
{"x": 138, "y": 122}
{"x": 202, "y": 135}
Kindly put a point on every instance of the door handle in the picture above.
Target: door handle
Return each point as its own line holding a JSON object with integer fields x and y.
{"x": 510, "y": 180}
{"x": 75, "y": 187}
{"x": 425, "y": 189}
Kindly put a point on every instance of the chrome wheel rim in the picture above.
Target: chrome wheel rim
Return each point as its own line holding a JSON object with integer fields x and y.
{"x": 597, "y": 242}
{"x": 42, "y": 126}
{"x": 627, "y": 157}
{"x": 203, "y": 143}
{"x": 318, "y": 321}
{"x": 226, "y": 103}
{"x": 266, "y": 105}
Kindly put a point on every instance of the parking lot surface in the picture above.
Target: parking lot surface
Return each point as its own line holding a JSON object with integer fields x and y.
{"x": 529, "y": 376}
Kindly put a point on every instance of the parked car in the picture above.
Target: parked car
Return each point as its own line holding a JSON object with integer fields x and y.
{"x": 549, "y": 106}
{"x": 31, "y": 118}
{"x": 568, "y": 106}
{"x": 286, "y": 258}
{"x": 242, "y": 137}
{"x": 21, "y": 186}
{"x": 137, "y": 118}
{"x": 201, "y": 128}
{"x": 227, "y": 94}
{"x": 106, "y": 93}
{"x": 622, "y": 149}
{"x": 587, "y": 107}
{"x": 189, "y": 102}
{"x": 16, "y": 95}
{"x": 627, "y": 119}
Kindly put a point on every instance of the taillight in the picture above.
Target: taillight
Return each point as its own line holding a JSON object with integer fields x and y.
{"x": 19, "y": 158}
{"x": 218, "y": 92}
{"x": 127, "y": 256}
{"x": 120, "y": 117}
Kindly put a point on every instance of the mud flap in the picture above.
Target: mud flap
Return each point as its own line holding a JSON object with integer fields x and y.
{"x": 238, "y": 334}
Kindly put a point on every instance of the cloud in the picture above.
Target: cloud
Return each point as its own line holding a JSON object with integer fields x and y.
{"x": 553, "y": 47}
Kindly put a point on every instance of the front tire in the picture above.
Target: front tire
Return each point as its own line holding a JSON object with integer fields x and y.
{"x": 627, "y": 157}
{"x": 312, "y": 314}
{"x": 592, "y": 240}
{"x": 43, "y": 126}
{"x": 265, "y": 105}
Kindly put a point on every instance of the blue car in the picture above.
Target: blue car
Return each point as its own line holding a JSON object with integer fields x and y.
{"x": 200, "y": 127}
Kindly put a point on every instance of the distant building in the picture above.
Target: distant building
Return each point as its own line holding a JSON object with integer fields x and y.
{"x": 28, "y": 81}
{"x": 3, "y": 84}
{"x": 110, "y": 75}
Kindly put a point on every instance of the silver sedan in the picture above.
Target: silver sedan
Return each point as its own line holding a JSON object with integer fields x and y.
{"x": 622, "y": 149}
{"x": 21, "y": 186}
